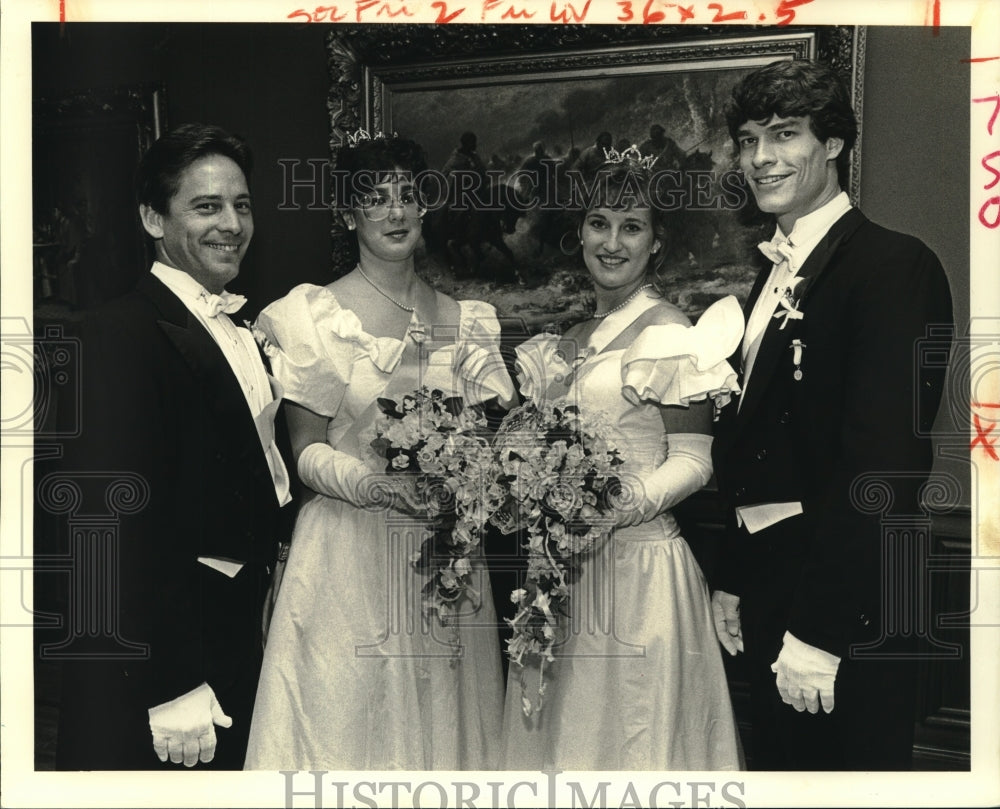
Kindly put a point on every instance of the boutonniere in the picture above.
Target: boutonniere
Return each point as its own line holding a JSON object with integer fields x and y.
{"x": 790, "y": 301}
{"x": 267, "y": 348}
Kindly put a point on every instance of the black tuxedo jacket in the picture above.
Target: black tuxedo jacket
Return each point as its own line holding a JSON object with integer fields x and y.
{"x": 862, "y": 407}
{"x": 160, "y": 401}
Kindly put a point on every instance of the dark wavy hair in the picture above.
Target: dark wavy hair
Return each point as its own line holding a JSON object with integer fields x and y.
{"x": 797, "y": 89}
{"x": 621, "y": 186}
{"x": 159, "y": 173}
{"x": 369, "y": 162}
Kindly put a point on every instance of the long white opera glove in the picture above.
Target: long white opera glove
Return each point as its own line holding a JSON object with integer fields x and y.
{"x": 686, "y": 470}
{"x": 726, "y": 613}
{"x": 805, "y": 675}
{"x": 333, "y": 473}
{"x": 337, "y": 474}
{"x": 184, "y": 728}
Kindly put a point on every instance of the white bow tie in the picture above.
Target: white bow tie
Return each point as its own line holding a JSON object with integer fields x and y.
{"x": 226, "y": 302}
{"x": 778, "y": 250}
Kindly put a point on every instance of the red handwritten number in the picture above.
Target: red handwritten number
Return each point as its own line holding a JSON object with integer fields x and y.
{"x": 996, "y": 110}
{"x": 993, "y": 202}
{"x": 720, "y": 17}
{"x": 444, "y": 17}
{"x": 626, "y": 8}
{"x": 649, "y": 16}
{"x": 995, "y": 172}
{"x": 786, "y": 10}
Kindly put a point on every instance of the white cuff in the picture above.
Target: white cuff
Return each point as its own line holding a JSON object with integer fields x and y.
{"x": 804, "y": 657}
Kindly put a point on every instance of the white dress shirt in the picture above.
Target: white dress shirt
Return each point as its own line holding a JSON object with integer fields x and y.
{"x": 261, "y": 390}
{"x": 808, "y": 231}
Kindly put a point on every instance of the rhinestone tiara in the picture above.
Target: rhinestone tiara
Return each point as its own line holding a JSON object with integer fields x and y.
{"x": 631, "y": 157}
{"x": 354, "y": 138}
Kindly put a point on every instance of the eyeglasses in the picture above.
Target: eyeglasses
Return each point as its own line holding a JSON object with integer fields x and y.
{"x": 376, "y": 207}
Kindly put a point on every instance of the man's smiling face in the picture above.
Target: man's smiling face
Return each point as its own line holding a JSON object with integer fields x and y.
{"x": 208, "y": 223}
{"x": 790, "y": 171}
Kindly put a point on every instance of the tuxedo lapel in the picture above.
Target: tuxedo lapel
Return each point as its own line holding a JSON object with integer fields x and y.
{"x": 820, "y": 257}
{"x": 209, "y": 366}
{"x": 776, "y": 339}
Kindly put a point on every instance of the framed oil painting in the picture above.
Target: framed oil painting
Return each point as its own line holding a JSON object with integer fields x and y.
{"x": 547, "y": 93}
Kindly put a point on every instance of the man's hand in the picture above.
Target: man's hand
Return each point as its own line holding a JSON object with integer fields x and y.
{"x": 805, "y": 675}
{"x": 726, "y": 611}
{"x": 184, "y": 728}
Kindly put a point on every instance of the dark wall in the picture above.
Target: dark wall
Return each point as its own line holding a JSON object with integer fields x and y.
{"x": 915, "y": 158}
{"x": 265, "y": 82}
{"x": 915, "y": 167}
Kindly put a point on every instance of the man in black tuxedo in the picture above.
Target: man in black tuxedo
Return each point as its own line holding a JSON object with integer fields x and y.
{"x": 177, "y": 398}
{"x": 830, "y": 393}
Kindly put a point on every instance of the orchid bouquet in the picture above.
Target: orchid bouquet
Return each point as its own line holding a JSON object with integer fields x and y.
{"x": 562, "y": 488}
{"x": 442, "y": 443}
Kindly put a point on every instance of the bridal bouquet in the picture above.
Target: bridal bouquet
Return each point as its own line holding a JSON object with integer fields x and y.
{"x": 442, "y": 443}
{"x": 562, "y": 488}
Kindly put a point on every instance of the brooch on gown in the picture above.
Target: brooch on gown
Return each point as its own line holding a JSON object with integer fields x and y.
{"x": 417, "y": 332}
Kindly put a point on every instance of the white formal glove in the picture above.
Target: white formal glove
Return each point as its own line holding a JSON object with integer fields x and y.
{"x": 337, "y": 474}
{"x": 805, "y": 675}
{"x": 184, "y": 728}
{"x": 726, "y": 611}
{"x": 686, "y": 470}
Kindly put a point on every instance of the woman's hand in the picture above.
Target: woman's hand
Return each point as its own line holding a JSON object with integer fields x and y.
{"x": 396, "y": 492}
{"x": 627, "y": 517}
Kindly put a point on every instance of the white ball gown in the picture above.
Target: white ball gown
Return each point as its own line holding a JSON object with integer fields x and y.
{"x": 638, "y": 681}
{"x": 355, "y": 677}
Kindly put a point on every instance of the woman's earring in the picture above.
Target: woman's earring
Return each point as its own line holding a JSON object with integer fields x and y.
{"x": 566, "y": 246}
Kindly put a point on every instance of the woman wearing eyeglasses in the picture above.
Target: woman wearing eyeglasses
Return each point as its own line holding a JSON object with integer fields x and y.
{"x": 355, "y": 676}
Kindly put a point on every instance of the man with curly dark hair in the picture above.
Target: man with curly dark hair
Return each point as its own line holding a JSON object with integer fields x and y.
{"x": 831, "y": 400}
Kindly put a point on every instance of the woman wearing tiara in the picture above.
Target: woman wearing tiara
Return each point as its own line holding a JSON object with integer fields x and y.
{"x": 638, "y": 681}
{"x": 355, "y": 676}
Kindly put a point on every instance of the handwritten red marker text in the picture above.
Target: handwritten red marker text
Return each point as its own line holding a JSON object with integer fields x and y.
{"x": 565, "y": 12}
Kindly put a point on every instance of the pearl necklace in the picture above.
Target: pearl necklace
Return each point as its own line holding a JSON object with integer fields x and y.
{"x": 417, "y": 331}
{"x": 383, "y": 293}
{"x": 623, "y": 304}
